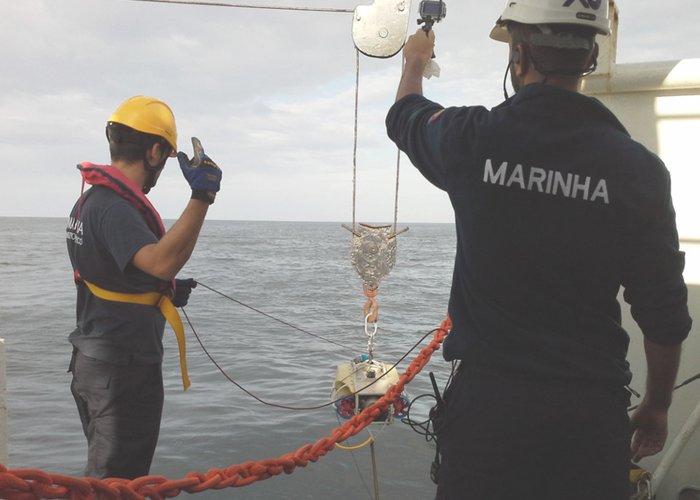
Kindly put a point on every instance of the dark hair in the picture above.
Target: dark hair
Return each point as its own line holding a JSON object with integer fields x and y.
{"x": 556, "y": 49}
{"x": 130, "y": 145}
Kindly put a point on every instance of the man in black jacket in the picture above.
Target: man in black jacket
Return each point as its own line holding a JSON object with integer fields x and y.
{"x": 556, "y": 208}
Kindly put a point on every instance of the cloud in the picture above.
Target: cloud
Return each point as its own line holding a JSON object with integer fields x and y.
{"x": 270, "y": 93}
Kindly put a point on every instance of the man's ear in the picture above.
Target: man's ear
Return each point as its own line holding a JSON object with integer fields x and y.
{"x": 156, "y": 153}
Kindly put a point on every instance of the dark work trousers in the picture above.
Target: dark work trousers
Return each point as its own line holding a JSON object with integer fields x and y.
{"x": 120, "y": 408}
{"x": 506, "y": 438}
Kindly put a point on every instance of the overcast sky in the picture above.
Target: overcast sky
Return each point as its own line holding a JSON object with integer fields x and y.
{"x": 269, "y": 93}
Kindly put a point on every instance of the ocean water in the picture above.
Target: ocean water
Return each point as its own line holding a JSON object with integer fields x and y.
{"x": 296, "y": 272}
{"x": 299, "y": 273}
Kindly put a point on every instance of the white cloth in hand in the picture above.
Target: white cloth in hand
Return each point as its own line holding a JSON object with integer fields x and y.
{"x": 431, "y": 69}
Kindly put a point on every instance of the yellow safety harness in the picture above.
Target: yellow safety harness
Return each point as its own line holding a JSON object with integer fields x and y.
{"x": 113, "y": 178}
{"x": 164, "y": 303}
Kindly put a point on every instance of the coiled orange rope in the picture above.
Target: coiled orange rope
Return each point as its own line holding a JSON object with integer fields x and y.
{"x": 30, "y": 484}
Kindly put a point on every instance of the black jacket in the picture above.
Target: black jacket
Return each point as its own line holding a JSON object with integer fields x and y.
{"x": 556, "y": 207}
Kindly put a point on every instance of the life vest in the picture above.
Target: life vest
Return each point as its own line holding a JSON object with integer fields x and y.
{"x": 113, "y": 178}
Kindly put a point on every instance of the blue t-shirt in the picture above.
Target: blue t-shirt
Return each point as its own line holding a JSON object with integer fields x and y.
{"x": 103, "y": 235}
{"x": 556, "y": 208}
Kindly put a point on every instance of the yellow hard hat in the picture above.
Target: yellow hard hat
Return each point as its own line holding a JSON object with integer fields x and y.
{"x": 148, "y": 115}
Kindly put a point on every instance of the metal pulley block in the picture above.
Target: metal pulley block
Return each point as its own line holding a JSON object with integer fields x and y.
{"x": 379, "y": 30}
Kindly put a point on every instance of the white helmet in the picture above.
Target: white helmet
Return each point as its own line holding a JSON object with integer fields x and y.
{"x": 592, "y": 13}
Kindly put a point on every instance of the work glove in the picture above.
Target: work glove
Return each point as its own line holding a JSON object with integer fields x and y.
{"x": 203, "y": 175}
{"x": 183, "y": 289}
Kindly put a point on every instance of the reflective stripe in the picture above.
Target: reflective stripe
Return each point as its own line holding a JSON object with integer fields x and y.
{"x": 166, "y": 307}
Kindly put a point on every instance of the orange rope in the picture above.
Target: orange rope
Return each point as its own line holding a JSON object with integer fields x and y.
{"x": 371, "y": 307}
{"x": 30, "y": 484}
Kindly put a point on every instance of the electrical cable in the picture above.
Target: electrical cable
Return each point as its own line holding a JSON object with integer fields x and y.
{"x": 684, "y": 383}
{"x": 505, "y": 79}
{"x": 287, "y": 407}
{"x": 348, "y": 349}
{"x": 248, "y": 6}
{"x": 424, "y": 427}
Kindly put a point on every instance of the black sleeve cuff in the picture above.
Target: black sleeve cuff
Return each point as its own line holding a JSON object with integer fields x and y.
{"x": 203, "y": 195}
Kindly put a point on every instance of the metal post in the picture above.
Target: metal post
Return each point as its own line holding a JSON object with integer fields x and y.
{"x": 3, "y": 406}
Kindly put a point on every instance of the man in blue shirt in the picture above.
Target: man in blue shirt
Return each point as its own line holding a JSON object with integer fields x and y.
{"x": 556, "y": 208}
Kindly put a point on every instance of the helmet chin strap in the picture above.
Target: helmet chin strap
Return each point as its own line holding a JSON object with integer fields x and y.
{"x": 505, "y": 79}
{"x": 153, "y": 173}
{"x": 516, "y": 88}
{"x": 547, "y": 74}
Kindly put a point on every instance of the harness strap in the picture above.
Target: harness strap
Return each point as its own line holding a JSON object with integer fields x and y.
{"x": 166, "y": 307}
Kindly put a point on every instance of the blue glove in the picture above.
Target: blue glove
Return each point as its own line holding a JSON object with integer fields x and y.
{"x": 203, "y": 175}
{"x": 183, "y": 289}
